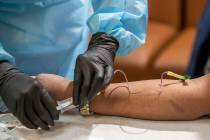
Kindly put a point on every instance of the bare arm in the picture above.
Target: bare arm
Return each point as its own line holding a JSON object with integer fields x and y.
{"x": 173, "y": 101}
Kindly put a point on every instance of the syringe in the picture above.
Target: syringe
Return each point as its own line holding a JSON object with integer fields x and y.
{"x": 65, "y": 105}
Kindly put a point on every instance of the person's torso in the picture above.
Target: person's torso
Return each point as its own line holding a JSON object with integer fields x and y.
{"x": 44, "y": 38}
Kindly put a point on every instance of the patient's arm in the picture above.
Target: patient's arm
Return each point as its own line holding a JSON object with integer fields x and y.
{"x": 173, "y": 101}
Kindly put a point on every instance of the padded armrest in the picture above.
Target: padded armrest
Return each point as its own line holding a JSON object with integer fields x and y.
{"x": 177, "y": 55}
{"x": 159, "y": 34}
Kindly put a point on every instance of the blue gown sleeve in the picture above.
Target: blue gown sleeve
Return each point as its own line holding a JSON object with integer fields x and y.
{"x": 126, "y": 20}
{"x": 20, "y": 1}
{"x": 19, "y": 6}
{"x": 6, "y": 56}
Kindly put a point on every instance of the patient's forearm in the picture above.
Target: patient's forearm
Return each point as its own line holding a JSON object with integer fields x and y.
{"x": 174, "y": 101}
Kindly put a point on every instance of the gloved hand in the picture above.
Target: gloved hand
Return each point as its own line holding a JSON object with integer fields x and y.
{"x": 26, "y": 98}
{"x": 94, "y": 68}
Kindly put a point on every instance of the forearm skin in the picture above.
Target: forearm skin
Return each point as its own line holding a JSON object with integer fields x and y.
{"x": 175, "y": 100}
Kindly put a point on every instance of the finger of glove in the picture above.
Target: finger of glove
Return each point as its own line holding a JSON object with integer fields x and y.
{"x": 11, "y": 105}
{"x": 33, "y": 117}
{"x": 97, "y": 83}
{"x": 77, "y": 84}
{"x": 108, "y": 75}
{"x": 50, "y": 104}
{"x": 87, "y": 72}
{"x": 39, "y": 107}
{"x": 22, "y": 116}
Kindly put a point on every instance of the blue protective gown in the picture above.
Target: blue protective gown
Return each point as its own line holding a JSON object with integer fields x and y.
{"x": 46, "y": 36}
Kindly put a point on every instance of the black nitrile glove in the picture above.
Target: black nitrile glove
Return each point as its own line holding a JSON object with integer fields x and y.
{"x": 26, "y": 98}
{"x": 94, "y": 68}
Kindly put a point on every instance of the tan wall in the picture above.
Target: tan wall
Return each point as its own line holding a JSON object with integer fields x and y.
{"x": 193, "y": 10}
{"x": 170, "y": 11}
{"x": 167, "y": 11}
